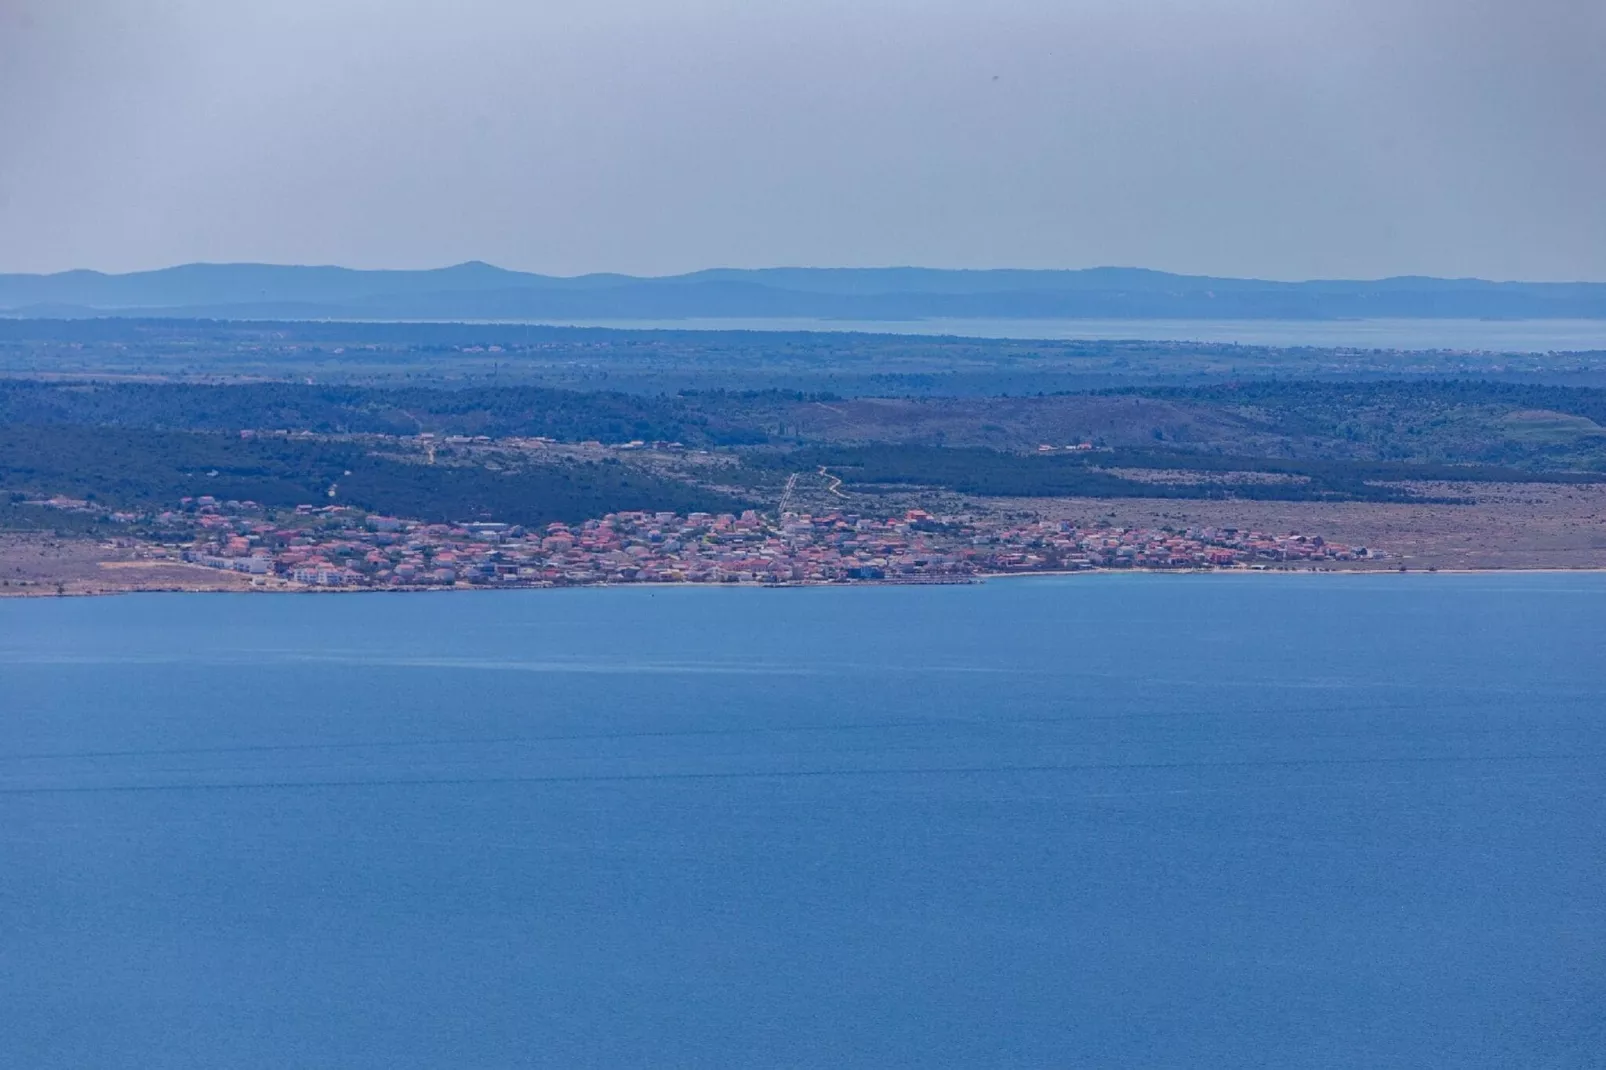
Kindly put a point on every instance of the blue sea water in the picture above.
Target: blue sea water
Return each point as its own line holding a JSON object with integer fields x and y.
{"x": 1494, "y": 336}
{"x": 1131, "y": 821}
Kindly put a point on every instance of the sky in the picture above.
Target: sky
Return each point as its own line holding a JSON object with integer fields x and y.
{"x": 1270, "y": 138}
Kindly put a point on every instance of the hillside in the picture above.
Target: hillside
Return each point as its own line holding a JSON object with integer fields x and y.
{"x": 478, "y": 291}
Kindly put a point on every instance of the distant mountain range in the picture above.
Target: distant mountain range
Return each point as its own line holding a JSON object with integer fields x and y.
{"x": 478, "y": 291}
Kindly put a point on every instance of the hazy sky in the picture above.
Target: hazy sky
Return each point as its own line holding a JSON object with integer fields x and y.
{"x": 1279, "y": 138}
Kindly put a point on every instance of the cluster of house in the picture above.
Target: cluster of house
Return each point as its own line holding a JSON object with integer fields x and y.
{"x": 337, "y": 546}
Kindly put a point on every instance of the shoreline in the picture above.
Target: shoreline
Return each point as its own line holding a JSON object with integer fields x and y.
{"x": 979, "y": 578}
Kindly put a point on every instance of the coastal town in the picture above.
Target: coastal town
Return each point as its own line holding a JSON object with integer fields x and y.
{"x": 338, "y": 547}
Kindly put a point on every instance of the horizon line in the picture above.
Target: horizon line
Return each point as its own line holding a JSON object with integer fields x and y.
{"x": 485, "y": 264}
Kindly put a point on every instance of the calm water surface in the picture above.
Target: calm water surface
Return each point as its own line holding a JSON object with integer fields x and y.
{"x": 1499, "y": 336}
{"x": 1138, "y": 821}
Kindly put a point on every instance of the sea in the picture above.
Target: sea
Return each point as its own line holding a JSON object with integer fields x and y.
{"x": 1105, "y": 820}
{"x": 1476, "y": 335}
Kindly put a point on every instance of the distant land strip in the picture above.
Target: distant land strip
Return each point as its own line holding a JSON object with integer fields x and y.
{"x": 480, "y": 291}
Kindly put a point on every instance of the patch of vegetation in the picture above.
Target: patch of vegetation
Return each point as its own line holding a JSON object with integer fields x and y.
{"x": 1524, "y": 425}
{"x": 142, "y": 469}
{"x": 17, "y": 515}
{"x": 1550, "y": 428}
{"x": 977, "y": 470}
{"x": 566, "y": 415}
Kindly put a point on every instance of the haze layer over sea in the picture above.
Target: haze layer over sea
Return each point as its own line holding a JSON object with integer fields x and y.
{"x": 1113, "y": 820}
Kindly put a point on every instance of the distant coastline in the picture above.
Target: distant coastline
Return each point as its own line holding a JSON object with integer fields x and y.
{"x": 1469, "y": 335}
{"x": 980, "y": 578}
{"x": 477, "y": 291}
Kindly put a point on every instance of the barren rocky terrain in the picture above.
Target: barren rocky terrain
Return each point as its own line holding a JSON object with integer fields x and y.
{"x": 1522, "y": 525}
{"x": 32, "y": 564}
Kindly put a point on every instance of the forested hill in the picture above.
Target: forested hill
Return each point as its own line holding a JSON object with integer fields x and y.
{"x": 1525, "y": 425}
{"x": 149, "y": 470}
{"x": 477, "y": 291}
{"x": 567, "y": 415}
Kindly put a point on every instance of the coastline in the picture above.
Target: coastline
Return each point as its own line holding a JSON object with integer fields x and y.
{"x": 45, "y": 591}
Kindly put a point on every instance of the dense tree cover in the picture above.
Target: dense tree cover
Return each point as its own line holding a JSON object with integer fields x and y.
{"x": 143, "y": 468}
{"x": 1529, "y": 425}
{"x": 152, "y": 443}
{"x": 1453, "y": 421}
{"x": 520, "y": 410}
{"x": 976, "y": 470}
{"x": 1332, "y": 398}
{"x": 1327, "y": 471}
